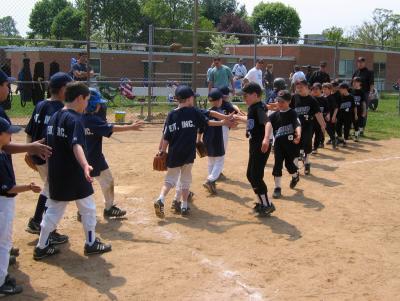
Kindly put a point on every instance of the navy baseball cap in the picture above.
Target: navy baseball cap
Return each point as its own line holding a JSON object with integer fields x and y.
{"x": 5, "y": 78}
{"x": 59, "y": 80}
{"x": 95, "y": 98}
{"x": 184, "y": 92}
{"x": 6, "y": 127}
{"x": 225, "y": 90}
{"x": 344, "y": 85}
{"x": 215, "y": 94}
{"x": 284, "y": 95}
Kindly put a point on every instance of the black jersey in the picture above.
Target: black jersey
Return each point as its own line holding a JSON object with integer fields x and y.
{"x": 256, "y": 120}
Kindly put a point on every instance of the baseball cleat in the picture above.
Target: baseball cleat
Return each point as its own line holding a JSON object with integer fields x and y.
{"x": 39, "y": 254}
{"x": 185, "y": 211}
{"x": 294, "y": 181}
{"x": 57, "y": 238}
{"x": 33, "y": 227}
{"x": 307, "y": 169}
{"x": 97, "y": 248}
{"x": 210, "y": 186}
{"x": 14, "y": 252}
{"x": 10, "y": 287}
{"x": 159, "y": 208}
{"x": 176, "y": 206}
{"x": 12, "y": 260}
{"x": 277, "y": 193}
{"x": 266, "y": 210}
{"x": 114, "y": 211}
{"x": 257, "y": 207}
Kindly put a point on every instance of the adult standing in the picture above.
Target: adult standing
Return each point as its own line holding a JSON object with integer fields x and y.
{"x": 80, "y": 70}
{"x": 255, "y": 74}
{"x": 308, "y": 73}
{"x": 239, "y": 71}
{"x": 269, "y": 80}
{"x": 320, "y": 76}
{"x": 367, "y": 81}
{"x": 220, "y": 76}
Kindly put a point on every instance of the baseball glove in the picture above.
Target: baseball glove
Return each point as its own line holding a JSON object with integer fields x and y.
{"x": 160, "y": 161}
{"x": 201, "y": 149}
{"x": 29, "y": 162}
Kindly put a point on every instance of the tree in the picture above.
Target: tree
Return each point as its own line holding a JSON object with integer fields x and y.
{"x": 215, "y": 9}
{"x": 234, "y": 24}
{"x": 8, "y": 27}
{"x": 219, "y": 42}
{"x": 43, "y": 14}
{"x": 276, "y": 19}
{"x": 68, "y": 24}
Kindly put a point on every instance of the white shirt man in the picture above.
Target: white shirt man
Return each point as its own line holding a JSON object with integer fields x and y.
{"x": 255, "y": 74}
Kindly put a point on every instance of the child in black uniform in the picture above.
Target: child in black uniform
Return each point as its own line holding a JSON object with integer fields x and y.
{"x": 347, "y": 110}
{"x": 259, "y": 146}
{"x": 180, "y": 135}
{"x": 361, "y": 106}
{"x": 333, "y": 109}
{"x": 319, "y": 137}
{"x": 287, "y": 133}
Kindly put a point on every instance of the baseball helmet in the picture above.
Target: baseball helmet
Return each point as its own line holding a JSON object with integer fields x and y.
{"x": 279, "y": 83}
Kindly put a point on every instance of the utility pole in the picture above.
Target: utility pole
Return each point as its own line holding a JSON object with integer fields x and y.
{"x": 88, "y": 32}
{"x": 195, "y": 44}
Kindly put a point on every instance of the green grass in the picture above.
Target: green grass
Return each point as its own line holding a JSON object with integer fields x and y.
{"x": 384, "y": 123}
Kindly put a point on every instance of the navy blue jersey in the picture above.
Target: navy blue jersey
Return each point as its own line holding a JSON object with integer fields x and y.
{"x": 180, "y": 131}
{"x": 66, "y": 178}
{"x": 256, "y": 121}
{"x": 7, "y": 176}
{"x": 213, "y": 138}
{"x": 81, "y": 68}
{"x": 306, "y": 107}
{"x": 227, "y": 107}
{"x": 346, "y": 105}
{"x": 359, "y": 97}
{"x": 96, "y": 128}
{"x": 284, "y": 125}
{"x": 4, "y": 115}
{"x": 37, "y": 126}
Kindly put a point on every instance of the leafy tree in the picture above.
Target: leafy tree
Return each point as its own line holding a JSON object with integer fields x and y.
{"x": 276, "y": 19}
{"x": 43, "y": 14}
{"x": 8, "y": 27}
{"x": 68, "y": 24}
{"x": 219, "y": 42}
{"x": 232, "y": 23}
{"x": 215, "y": 9}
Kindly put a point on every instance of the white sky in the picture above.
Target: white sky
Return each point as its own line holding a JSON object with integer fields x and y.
{"x": 315, "y": 15}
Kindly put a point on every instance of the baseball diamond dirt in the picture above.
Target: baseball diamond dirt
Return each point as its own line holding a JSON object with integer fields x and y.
{"x": 335, "y": 237}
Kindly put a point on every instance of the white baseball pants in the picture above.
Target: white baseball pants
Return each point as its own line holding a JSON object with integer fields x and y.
{"x": 7, "y": 210}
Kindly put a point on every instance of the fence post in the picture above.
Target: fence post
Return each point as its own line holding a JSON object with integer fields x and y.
{"x": 150, "y": 72}
{"x": 195, "y": 44}
{"x": 88, "y": 38}
{"x": 335, "y": 61}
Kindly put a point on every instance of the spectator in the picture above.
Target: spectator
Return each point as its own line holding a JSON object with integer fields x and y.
{"x": 255, "y": 74}
{"x": 220, "y": 76}
{"x": 269, "y": 80}
{"x": 208, "y": 73}
{"x": 308, "y": 73}
{"x": 320, "y": 76}
{"x": 239, "y": 70}
{"x": 80, "y": 70}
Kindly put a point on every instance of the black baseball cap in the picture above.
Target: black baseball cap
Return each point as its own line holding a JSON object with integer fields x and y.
{"x": 184, "y": 92}
{"x": 251, "y": 88}
{"x": 344, "y": 85}
{"x": 225, "y": 90}
{"x": 215, "y": 94}
{"x": 6, "y": 127}
{"x": 5, "y": 78}
{"x": 302, "y": 82}
{"x": 59, "y": 80}
{"x": 284, "y": 95}
{"x": 361, "y": 59}
{"x": 323, "y": 64}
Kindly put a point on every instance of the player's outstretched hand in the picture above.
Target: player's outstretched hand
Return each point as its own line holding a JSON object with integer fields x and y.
{"x": 35, "y": 188}
{"x": 296, "y": 140}
{"x": 87, "y": 169}
{"x": 137, "y": 125}
{"x": 39, "y": 149}
{"x": 265, "y": 145}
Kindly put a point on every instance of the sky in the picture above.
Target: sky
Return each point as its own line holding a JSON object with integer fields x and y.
{"x": 315, "y": 15}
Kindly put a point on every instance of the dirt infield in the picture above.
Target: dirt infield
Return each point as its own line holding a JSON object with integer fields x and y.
{"x": 336, "y": 237}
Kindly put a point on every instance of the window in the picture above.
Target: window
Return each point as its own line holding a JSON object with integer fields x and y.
{"x": 346, "y": 68}
{"x": 379, "y": 75}
{"x": 95, "y": 64}
{"x": 186, "y": 71}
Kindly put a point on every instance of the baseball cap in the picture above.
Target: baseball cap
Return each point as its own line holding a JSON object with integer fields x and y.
{"x": 284, "y": 95}
{"x": 95, "y": 98}
{"x": 252, "y": 87}
{"x": 5, "y": 78}
{"x": 344, "y": 85}
{"x": 316, "y": 86}
{"x": 184, "y": 92}
{"x": 215, "y": 94}
{"x": 6, "y": 127}
{"x": 59, "y": 80}
{"x": 225, "y": 90}
{"x": 323, "y": 63}
{"x": 361, "y": 59}
{"x": 302, "y": 82}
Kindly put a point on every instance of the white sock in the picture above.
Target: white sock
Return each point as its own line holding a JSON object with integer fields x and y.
{"x": 184, "y": 204}
{"x": 44, "y": 238}
{"x": 278, "y": 182}
{"x": 307, "y": 159}
{"x": 264, "y": 199}
{"x": 294, "y": 175}
{"x": 162, "y": 198}
{"x": 296, "y": 162}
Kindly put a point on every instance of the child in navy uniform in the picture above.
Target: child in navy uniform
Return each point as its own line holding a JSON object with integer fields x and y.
{"x": 286, "y": 129}
{"x": 8, "y": 191}
{"x": 307, "y": 110}
{"x": 331, "y": 118}
{"x": 319, "y": 137}
{"x": 214, "y": 142}
{"x": 69, "y": 173}
{"x": 259, "y": 146}
{"x": 361, "y": 106}
{"x": 37, "y": 130}
{"x": 97, "y": 127}
{"x": 180, "y": 135}
{"x": 347, "y": 111}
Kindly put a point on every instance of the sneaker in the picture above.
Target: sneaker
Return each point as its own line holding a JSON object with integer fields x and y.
{"x": 14, "y": 252}
{"x": 277, "y": 193}
{"x": 57, "y": 238}
{"x": 159, "y": 208}
{"x": 222, "y": 177}
{"x": 33, "y": 227}
{"x": 266, "y": 210}
{"x": 97, "y": 248}
{"x": 210, "y": 186}
{"x": 190, "y": 196}
{"x": 39, "y": 254}
{"x": 185, "y": 211}
{"x": 114, "y": 211}
{"x": 294, "y": 181}
{"x": 307, "y": 169}
{"x": 10, "y": 288}
{"x": 257, "y": 207}
{"x": 12, "y": 260}
{"x": 176, "y": 206}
